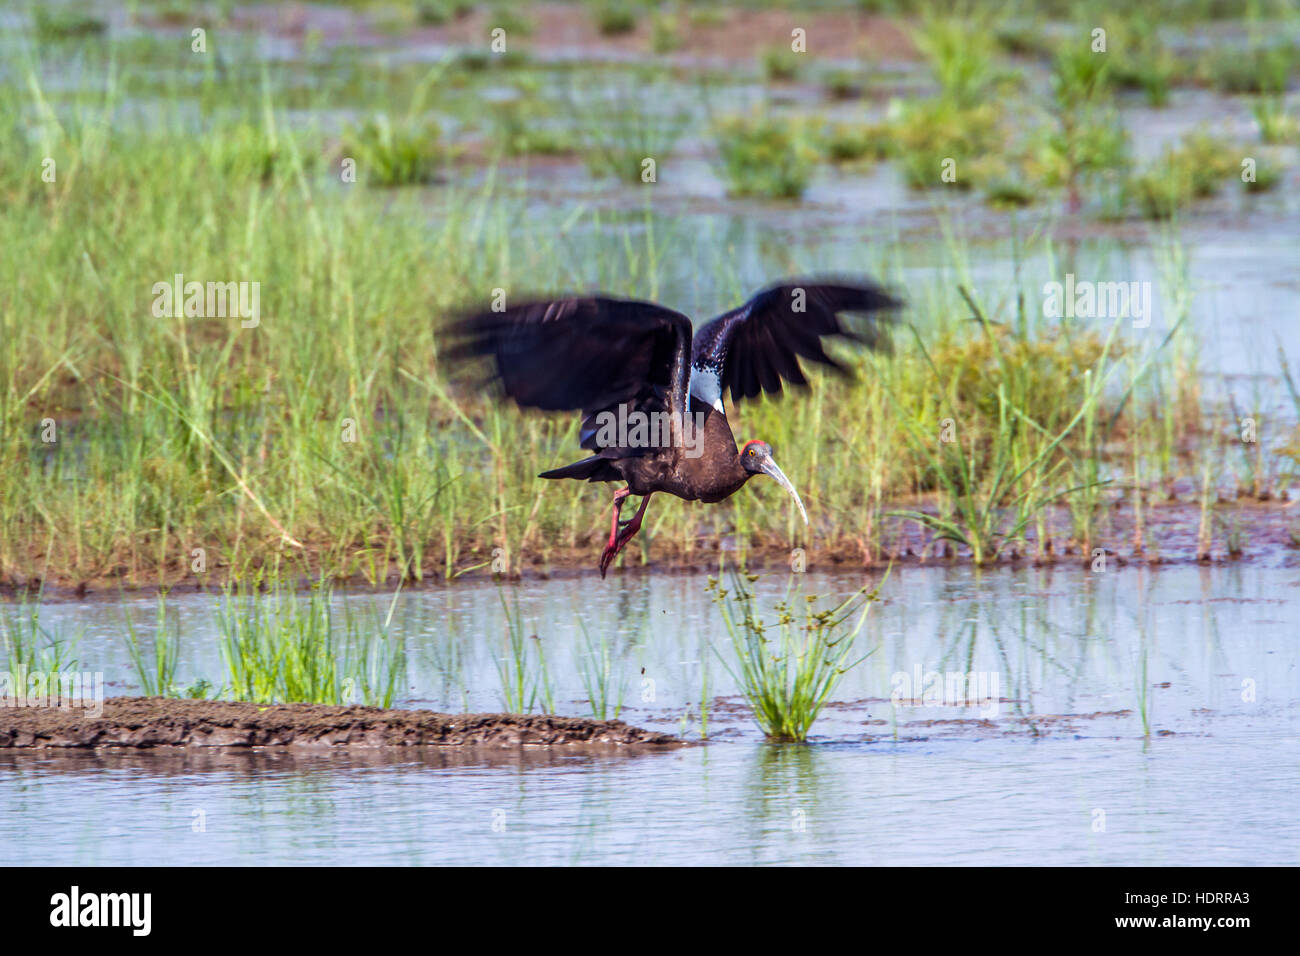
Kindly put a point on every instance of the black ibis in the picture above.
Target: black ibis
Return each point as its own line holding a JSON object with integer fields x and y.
{"x": 651, "y": 391}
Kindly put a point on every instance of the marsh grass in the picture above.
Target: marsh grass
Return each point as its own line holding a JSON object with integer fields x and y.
{"x": 665, "y": 33}
{"x": 156, "y": 664}
{"x": 521, "y": 127}
{"x": 57, "y": 23}
{"x": 1084, "y": 140}
{"x": 521, "y": 667}
{"x": 192, "y": 432}
{"x": 960, "y": 51}
{"x": 788, "y": 669}
{"x": 853, "y": 142}
{"x": 1267, "y": 177}
{"x": 396, "y": 153}
{"x": 33, "y": 651}
{"x": 626, "y": 125}
{"x": 1140, "y": 59}
{"x": 1009, "y": 192}
{"x": 595, "y": 664}
{"x": 844, "y": 84}
{"x": 1260, "y": 68}
{"x": 1196, "y": 168}
{"x": 996, "y": 480}
{"x": 780, "y": 64}
{"x": 763, "y": 157}
{"x": 280, "y": 647}
{"x": 928, "y": 133}
{"x": 1275, "y": 122}
{"x": 439, "y": 12}
{"x": 510, "y": 18}
{"x": 613, "y": 18}
{"x": 1290, "y": 453}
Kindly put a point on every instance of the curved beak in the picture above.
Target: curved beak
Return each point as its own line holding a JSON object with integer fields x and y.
{"x": 769, "y": 468}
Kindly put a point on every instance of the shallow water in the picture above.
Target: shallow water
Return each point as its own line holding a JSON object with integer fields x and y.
{"x": 1053, "y": 766}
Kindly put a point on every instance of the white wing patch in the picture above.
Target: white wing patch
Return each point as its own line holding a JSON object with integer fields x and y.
{"x": 706, "y": 385}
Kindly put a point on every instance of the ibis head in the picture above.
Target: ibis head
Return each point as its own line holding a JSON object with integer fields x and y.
{"x": 756, "y": 458}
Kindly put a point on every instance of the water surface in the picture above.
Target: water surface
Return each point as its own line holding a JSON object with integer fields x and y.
{"x": 1060, "y": 768}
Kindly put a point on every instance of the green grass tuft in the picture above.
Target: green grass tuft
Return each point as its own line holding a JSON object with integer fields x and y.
{"x": 788, "y": 669}
{"x": 764, "y": 157}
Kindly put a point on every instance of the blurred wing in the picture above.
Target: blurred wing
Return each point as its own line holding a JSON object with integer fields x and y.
{"x": 754, "y": 348}
{"x": 580, "y": 353}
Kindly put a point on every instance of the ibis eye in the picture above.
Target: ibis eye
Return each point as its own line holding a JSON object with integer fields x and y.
{"x": 752, "y": 452}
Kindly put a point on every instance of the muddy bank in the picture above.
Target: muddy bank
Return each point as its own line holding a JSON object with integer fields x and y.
{"x": 560, "y": 31}
{"x": 1168, "y": 533}
{"x": 147, "y": 722}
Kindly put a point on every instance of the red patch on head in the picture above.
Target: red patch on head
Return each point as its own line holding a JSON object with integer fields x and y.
{"x": 752, "y": 441}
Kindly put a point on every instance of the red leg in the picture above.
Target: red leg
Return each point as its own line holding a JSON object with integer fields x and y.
{"x": 630, "y": 528}
{"x": 612, "y": 547}
{"x": 619, "y": 537}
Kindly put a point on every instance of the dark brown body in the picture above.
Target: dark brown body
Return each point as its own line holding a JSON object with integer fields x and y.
{"x": 713, "y": 475}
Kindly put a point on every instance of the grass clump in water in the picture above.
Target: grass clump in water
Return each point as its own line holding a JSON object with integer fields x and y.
{"x": 665, "y": 34}
{"x": 1084, "y": 140}
{"x": 1196, "y": 169}
{"x": 407, "y": 153}
{"x": 438, "y": 12}
{"x": 1009, "y": 412}
{"x": 960, "y": 52}
{"x": 64, "y": 24}
{"x": 1256, "y": 69}
{"x": 762, "y": 157}
{"x": 932, "y": 134}
{"x": 855, "y": 142}
{"x": 521, "y": 129}
{"x": 629, "y": 127}
{"x": 525, "y": 678}
{"x": 844, "y": 85}
{"x": 595, "y": 666}
{"x": 780, "y": 64}
{"x": 32, "y": 652}
{"x": 515, "y": 23}
{"x": 789, "y": 669}
{"x": 156, "y": 663}
{"x": 1276, "y": 125}
{"x": 1140, "y": 60}
{"x": 279, "y": 647}
{"x": 1266, "y": 177}
{"x": 614, "y": 19}
{"x": 155, "y": 667}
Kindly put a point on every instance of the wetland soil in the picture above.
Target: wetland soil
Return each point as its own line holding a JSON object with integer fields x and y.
{"x": 732, "y": 34}
{"x": 148, "y": 722}
{"x": 1266, "y": 531}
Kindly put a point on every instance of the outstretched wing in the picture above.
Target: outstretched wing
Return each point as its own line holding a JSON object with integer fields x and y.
{"x": 755, "y": 347}
{"x": 587, "y": 353}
